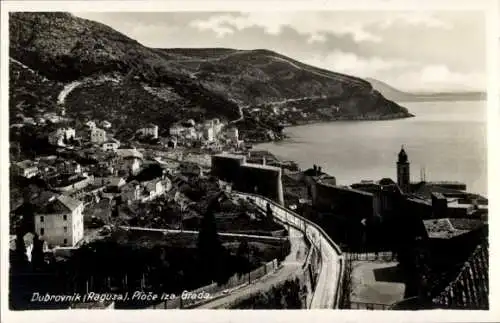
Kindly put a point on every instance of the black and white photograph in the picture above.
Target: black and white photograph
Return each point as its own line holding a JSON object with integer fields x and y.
{"x": 258, "y": 160}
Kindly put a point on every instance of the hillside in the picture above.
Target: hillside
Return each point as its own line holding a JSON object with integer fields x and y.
{"x": 396, "y": 95}
{"x": 120, "y": 80}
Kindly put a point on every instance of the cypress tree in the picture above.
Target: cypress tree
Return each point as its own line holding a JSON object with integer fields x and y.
{"x": 37, "y": 257}
{"x": 242, "y": 255}
{"x": 209, "y": 246}
{"x": 20, "y": 259}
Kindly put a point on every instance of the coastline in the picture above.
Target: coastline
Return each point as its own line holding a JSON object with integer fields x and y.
{"x": 298, "y": 123}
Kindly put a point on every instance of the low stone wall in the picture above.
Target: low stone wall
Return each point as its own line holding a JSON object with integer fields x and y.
{"x": 331, "y": 270}
{"x": 212, "y": 289}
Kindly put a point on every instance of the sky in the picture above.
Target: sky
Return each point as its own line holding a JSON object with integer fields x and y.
{"x": 412, "y": 51}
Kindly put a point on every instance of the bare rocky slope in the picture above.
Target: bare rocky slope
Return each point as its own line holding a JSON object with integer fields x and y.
{"x": 163, "y": 85}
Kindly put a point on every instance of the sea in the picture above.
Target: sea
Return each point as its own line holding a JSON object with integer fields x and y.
{"x": 445, "y": 141}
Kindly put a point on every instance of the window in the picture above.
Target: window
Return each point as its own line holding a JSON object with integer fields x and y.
{"x": 65, "y": 241}
{"x": 65, "y": 217}
{"x": 42, "y": 231}
{"x": 65, "y": 229}
{"x": 41, "y": 218}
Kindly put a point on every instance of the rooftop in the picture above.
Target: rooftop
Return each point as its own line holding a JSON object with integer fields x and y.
{"x": 112, "y": 140}
{"x": 233, "y": 156}
{"x": 116, "y": 181}
{"x": 69, "y": 202}
{"x": 260, "y": 166}
{"x": 129, "y": 153}
{"x": 60, "y": 204}
{"x": 25, "y": 164}
{"x": 448, "y": 228}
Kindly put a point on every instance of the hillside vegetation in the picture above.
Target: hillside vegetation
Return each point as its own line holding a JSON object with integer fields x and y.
{"x": 164, "y": 85}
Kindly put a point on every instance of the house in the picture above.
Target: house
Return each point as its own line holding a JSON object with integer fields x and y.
{"x": 110, "y": 145}
{"x": 191, "y": 169}
{"x": 28, "y": 243}
{"x": 98, "y": 135}
{"x": 176, "y": 130}
{"x": 150, "y": 130}
{"x": 68, "y": 167}
{"x": 217, "y": 126}
{"x": 116, "y": 182}
{"x": 232, "y": 134}
{"x": 130, "y": 161}
{"x": 130, "y": 192}
{"x": 106, "y": 124}
{"x": 153, "y": 189}
{"x": 115, "y": 185}
{"x": 91, "y": 124}
{"x": 147, "y": 191}
{"x": 59, "y": 136}
{"x": 208, "y": 133}
{"x": 69, "y": 182}
{"x": 52, "y": 117}
{"x": 30, "y": 121}
{"x": 190, "y": 133}
{"x": 60, "y": 221}
{"x": 25, "y": 168}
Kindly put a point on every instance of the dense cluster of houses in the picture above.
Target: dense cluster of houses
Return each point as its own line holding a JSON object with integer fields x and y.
{"x": 104, "y": 168}
{"x": 209, "y": 133}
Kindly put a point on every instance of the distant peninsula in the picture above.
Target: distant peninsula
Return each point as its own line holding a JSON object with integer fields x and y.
{"x": 396, "y": 95}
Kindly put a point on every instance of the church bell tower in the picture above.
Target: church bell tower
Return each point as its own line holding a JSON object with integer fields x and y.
{"x": 403, "y": 166}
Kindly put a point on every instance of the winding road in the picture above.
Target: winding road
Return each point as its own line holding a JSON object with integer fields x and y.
{"x": 290, "y": 267}
{"x": 327, "y": 290}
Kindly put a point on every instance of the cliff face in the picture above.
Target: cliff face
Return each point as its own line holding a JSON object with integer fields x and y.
{"x": 163, "y": 85}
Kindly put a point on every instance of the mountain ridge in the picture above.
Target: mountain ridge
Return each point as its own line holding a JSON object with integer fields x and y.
{"x": 196, "y": 83}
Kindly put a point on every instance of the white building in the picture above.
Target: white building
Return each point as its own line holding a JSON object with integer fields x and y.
{"x": 131, "y": 161}
{"x": 106, "y": 124}
{"x": 60, "y": 221}
{"x": 232, "y": 134}
{"x": 208, "y": 133}
{"x": 208, "y": 124}
{"x": 151, "y": 130}
{"x": 98, "y": 135}
{"x": 91, "y": 124}
{"x": 217, "y": 127}
{"x": 57, "y": 137}
{"x": 190, "y": 133}
{"x": 110, "y": 145}
{"x": 176, "y": 130}
{"x": 25, "y": 168}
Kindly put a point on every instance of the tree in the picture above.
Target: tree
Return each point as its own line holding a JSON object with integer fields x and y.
{"x": 37, "y": 256}
{"x": 210, "y": 248}
{"x": 20, "y": 258}
{"x": 243, "y": 257}
{"x": 65, "y": 139}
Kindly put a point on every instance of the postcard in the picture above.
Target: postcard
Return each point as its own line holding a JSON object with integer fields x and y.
{"x": 248, "y": 156}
